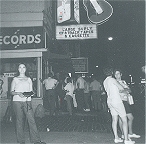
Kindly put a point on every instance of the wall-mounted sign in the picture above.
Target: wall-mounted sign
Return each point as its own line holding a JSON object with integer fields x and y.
{"x": 21, "y": 38}
{"x": 80, "y": 65}
{"x": 74, "y": 32}
{"x": 98, "y": 11}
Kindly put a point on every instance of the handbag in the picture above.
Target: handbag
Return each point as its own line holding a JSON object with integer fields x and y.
{"x": 130, "y": 99}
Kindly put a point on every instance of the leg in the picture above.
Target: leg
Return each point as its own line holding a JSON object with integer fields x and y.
{"x": 19, "y": 121}
{"x": 78, "y": 99}
{"x": 114, "y": 126}
{"x": 69, "y": 104}
{"x": 52, "y": 102}
{"x": 130, "y": 122}
{"x": 99, "y": 100}
{"x": 125, "y": 127}
{"x": 120, "y": 125}
{"x": 34, "y": 135}
{"x": 94, "y": 96}
{"x": 86, "y": 100}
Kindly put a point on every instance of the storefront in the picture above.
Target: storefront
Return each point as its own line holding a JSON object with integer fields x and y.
{"x": 21, "y": 44}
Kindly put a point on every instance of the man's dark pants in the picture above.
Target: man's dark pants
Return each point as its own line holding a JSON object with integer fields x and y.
{"x": 51, "y": 98}
{"x": 80, "y": 99}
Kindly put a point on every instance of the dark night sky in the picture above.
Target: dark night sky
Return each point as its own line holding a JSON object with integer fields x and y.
{"x": 127, "y": 49}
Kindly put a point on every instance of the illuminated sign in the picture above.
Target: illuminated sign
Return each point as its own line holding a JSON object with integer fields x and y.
{"x": 80, "y": 65}
{"x": 21, "y": 38}
{"x": 73, "y": 32}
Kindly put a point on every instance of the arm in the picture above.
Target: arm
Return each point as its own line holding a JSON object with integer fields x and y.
{"x": 127, "y": 87}
{"x": 56, "y": 85}
{"x": 120, "y": 87}
{"x": 30, "y": 85}
{"x": 42, "y": 81}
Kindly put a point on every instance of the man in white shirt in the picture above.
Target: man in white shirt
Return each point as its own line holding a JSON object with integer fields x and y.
{"x": 115, "y": 104}
{"x": 80, "y": 85}
{"x": 50, "y": 85}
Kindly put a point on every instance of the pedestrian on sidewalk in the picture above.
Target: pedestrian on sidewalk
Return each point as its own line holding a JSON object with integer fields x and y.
{"x": 50, "y": 85}
{"x": 87, "y": 94}
{"x": 124, "y": 97}
{"x": 96, "y": 88}
{"x": 22, "y": 105}
{"x": 116, "y": 106}
{"x": 80, "y": 85}
{"x": 69, "y": 88}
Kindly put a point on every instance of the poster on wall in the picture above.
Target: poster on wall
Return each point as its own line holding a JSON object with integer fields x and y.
{"x": 80, "y": 65}
{"x": 3, "y": 86}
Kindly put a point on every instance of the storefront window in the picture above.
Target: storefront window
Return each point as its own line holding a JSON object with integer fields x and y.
{"x": 9, "y": 70}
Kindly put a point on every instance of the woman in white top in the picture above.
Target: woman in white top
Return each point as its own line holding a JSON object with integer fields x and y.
{"x": 124, "y": 97}
{"x": 22, "y": 105}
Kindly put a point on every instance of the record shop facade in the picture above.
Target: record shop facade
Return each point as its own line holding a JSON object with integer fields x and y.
{"x": 23, "y": 39}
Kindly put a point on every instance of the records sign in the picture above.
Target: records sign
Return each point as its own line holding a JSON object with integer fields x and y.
{"x": 21, "y": 38}
{"x": 74, "y": 32}
{"x": 80, "y": 65}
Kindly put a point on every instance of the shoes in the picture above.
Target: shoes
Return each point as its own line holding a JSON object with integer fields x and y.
{"x": 134, "y": 136}
{"x": 40, "y": 142}
{"x": 122, "y": 136}
{"x": 118, "y": 140}
{"x": 129, "y": 142}
{"x": 86, "y": 110}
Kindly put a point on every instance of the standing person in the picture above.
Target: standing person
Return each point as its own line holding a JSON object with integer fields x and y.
{"x": 118, "y": 75}
{"x": 22, "y": 105}
{"x": 80, "y": 85}
{"x": 69, "y": 88}
{"x": 115, "y": 104}
{"x": 50, "y": 85}
{"x": 87, "y": 94}
{"x": 1, "y": 86}
{"x": 95, "y": 88}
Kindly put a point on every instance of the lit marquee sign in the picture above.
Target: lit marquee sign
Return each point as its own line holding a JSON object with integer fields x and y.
{"x": 21, "y": 38}
{"x": 73, "y": 32}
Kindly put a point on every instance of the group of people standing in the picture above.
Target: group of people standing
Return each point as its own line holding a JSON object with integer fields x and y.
{"x": 77, "y": 92}
{"x": 80, "y": 94}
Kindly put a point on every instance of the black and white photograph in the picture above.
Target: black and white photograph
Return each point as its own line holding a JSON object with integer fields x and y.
{"x": 72, "y": 71}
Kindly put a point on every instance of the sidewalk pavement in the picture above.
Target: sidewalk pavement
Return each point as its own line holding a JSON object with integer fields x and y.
{"x": 80, "y": 128}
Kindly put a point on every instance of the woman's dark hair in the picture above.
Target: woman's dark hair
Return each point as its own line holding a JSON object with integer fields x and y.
{"x": 26, "y": 73}
{"x": 50, "y": 75}
{"x": 69, "y": 79}
{"x": 117, "y": 70}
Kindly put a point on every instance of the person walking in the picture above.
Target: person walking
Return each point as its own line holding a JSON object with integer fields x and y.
{"x": 116, "y": 106}
{"x": 124, "y": 97}
{"x": 87, "y": 94}
{"x": 69, "y": 88}
{"x": 22, "y": 105}
{"x": 95, "y": 88}
{"x": 50, "y": 85}
{"x": 80, "y": 85}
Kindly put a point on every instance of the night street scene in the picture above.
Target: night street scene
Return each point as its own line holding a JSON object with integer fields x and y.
{"x": 72, "y": 71}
